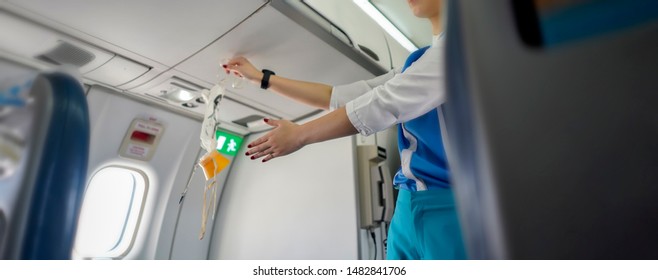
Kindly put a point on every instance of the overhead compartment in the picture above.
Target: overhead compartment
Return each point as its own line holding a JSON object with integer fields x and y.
{"x": 324, "y": 28}
{"x": 366, "y": 35}
{"x": 271, "y": 40}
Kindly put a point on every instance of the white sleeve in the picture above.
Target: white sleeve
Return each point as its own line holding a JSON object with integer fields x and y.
{"x": 340, "y": 95}
{"x": 403, "y": 98}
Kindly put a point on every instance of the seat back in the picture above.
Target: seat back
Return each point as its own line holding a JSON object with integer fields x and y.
{"x": 551, "y": 127}
{"x": 43, "y": 195}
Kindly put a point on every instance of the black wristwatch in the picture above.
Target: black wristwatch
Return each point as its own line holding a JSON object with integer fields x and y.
{"x": 265, "y": 82}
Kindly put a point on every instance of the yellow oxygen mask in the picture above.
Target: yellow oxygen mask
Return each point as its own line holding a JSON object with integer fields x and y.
{"x": 212, "y": 164}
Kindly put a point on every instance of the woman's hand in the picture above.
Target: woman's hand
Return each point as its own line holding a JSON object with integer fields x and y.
{"x": 242, "y": 67}
{"x": 284, "y": 139}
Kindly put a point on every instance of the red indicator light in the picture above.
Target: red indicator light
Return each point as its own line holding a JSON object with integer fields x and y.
{"x": 142, "y": 137}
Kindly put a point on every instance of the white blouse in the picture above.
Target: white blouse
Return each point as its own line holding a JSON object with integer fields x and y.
{"x": 376, "y": 104}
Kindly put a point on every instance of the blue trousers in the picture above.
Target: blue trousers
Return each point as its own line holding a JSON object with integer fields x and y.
{"x": 425, "y": 227}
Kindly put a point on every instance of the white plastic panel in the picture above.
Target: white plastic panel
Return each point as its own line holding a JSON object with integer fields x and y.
{"x": 110, "y": 115}
{"x": 232, "y": 108}
{"x": 398, "y": 53}
{"x": 187, "y": 245}
{"x": 169, "y": 81}
{"x": 117, "y": 71}
{"x": 273, "y": 41}
{"x": 14, "y": 39}
{"x": 301, "y": 206}
{"x": 28, "y": 40}
{"x": 362, "y": 29}
{"x": 174, "y": 84}
{"x": 165, "y": 31}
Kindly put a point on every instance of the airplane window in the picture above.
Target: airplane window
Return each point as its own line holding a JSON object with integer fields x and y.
{"x": 545, "y": 23}
{"x": 110, "y": 213}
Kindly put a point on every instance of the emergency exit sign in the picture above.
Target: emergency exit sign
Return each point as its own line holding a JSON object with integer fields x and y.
{"x": 228, "y": 143}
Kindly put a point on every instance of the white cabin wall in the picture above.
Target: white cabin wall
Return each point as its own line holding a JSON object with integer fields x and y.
{"x": 184, "y": 243}
{"x": 301, "y": 206}
{"x": 111, "y": 114}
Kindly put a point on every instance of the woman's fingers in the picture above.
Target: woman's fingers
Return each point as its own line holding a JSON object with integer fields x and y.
{"x": 259, "y": 145}
{"x": 236, "y": 63}
{"x": 268, "y": 157}
{"x": 259, "y": 141}
{"x": 242, "y": 67}
{"x": 254, "y": 153}
{"x": 271, "y": 122}
{"x": 257, "y": 149}
{"x": 281, "y": 141}
{"x": 261, "y": 154}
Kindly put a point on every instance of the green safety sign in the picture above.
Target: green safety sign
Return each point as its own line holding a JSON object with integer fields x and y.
{"x": 228, "y": 143}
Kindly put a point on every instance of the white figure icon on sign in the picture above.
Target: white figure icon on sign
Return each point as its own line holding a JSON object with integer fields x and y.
{"x": 220, "y": 142}
{"x": 232, "y": 146}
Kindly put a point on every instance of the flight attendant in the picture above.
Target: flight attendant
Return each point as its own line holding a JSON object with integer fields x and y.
{"x": 425, "y": 224}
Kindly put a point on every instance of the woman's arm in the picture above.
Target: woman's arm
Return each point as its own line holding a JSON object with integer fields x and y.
{"x": 287, "y": 137}
{"x": 313, "y": 94}
{"x": 404, "y": 97}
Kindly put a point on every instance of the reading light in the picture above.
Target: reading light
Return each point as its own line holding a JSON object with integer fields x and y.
{"x": 180, "y": 95}
{"x": 375, "y": 14}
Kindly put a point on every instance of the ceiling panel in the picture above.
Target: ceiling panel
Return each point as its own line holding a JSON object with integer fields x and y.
{"x": 164, "y": 31}
{"x": 418, "y": 30}
{"x": 271, "y": 40}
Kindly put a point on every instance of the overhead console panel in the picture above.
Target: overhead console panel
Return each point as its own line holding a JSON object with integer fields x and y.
{"x": 164, "y": 31}
{"x": 31, "y": 41}
{"x": 118, "y": 71}
{"x": 48, "y": 48}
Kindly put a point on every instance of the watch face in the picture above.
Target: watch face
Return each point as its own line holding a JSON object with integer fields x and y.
{"x": 265, "y": 83}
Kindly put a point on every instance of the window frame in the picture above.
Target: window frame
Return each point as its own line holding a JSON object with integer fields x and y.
{"x": 138, "y": 221}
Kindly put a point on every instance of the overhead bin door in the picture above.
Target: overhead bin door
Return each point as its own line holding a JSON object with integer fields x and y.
{"x": 367, "y": 36}
{"x": 271, "y": 40}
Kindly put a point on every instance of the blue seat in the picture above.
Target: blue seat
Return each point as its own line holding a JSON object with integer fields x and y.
{"x": 50, "y": 183}
{"x": 553, "y": 145}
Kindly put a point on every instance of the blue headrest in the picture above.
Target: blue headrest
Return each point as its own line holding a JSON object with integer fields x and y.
{"x": 61, "y": 175}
